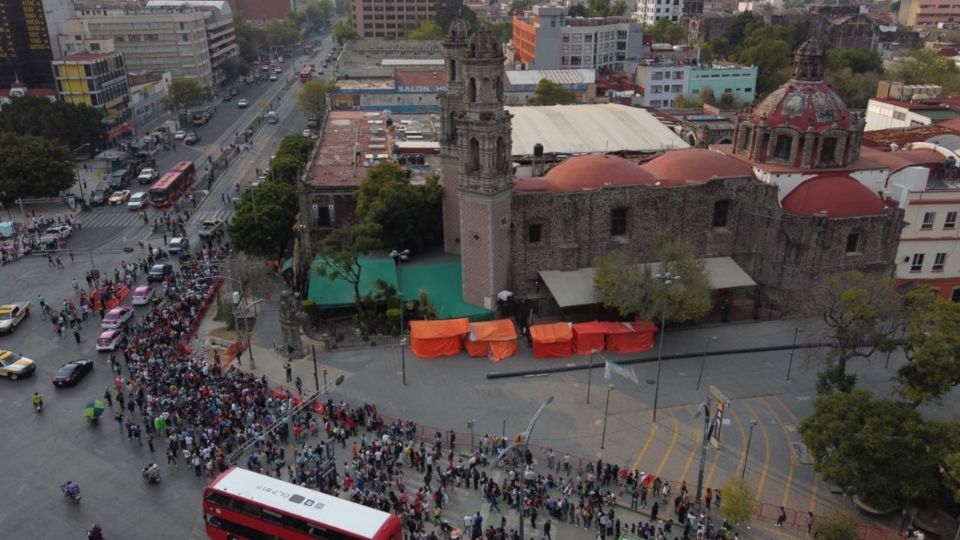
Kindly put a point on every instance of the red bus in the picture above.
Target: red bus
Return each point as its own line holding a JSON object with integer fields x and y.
{"x": 173, "y": 184}
{"x": 243, "y": 505}
{"x": 305, "y": 73}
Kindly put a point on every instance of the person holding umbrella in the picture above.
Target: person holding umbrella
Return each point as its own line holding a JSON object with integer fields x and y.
{"x": 93, "y": 410}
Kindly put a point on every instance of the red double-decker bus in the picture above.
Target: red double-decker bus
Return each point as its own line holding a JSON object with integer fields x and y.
{"x": 306, "y": 74}
{"x": 173, "y": 184}
{"x": 244, "y": 505}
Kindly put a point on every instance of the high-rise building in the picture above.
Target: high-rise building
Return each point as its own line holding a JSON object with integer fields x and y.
{"x": 25, "y": 52}
{"x": 651, "y": 11}
{"x": 390, "y": 19}
{"x": 95, "y": 79}
{"x": 218, "y": 22}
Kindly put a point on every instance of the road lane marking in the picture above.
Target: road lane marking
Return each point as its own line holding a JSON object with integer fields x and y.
{"x": 793, "y": 458}
{"x": 698, "y": 441}
{"x": 646, "y": 447}
{"x": 766, "y": 452}
{"x": 673, "y": 442}
{"x": 741, "y": 461}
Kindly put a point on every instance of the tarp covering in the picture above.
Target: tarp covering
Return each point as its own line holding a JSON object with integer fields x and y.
{"x": 588, "y": 337}
{"x": 496, "y": 339}
{"x": 433, "y": 339}
{"x": 639, "y": 338}
{"x": 552, "y": 340}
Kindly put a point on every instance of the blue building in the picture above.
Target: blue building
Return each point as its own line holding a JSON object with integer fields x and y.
{"x": 741, "y": 81}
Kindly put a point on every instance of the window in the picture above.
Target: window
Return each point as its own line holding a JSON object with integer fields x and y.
{"x": 939, "y": 260}
{"x": 853, "y": 243}
{"x": 501, "y": 157}
{"x": 453, "y": 70}
{"x": 928, "y": 219}
{"x": 745, "y": 138}
{"x": 828, "y": 152}
{"x": 656, "y": 89}
{"x": 783, "y": 147}
{"x": 916, "y": 264}
{"x": 472, "y": 90}
{"x": 473, "y": 164}
{"x": 955, "y": 296}
{"x": 720, "y": 211}
{"x": 618, "y": 222}
{"x": 899, "y": 115}
{"x": 535, "y": 233}
{"x": 951, "y": 221}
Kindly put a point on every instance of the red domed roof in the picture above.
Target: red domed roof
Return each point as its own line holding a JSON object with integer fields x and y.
{"x": 837, "y": 195}
{"x": 695, "y": 166}
{"x": 802, "y": 105}
{"x": 595, "y": 171}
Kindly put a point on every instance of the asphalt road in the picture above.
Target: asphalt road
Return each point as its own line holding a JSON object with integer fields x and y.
{"x": 43, "y": 451}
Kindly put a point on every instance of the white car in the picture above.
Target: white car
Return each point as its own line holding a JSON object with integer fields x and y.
{"x": 57, "y": 232}
{"x": 273, "y": 76}
{"x": 116, "y": 317}
{"x": 137, "y": 201}
{"x": 242, "y": 103}
{"x": 147, "y": 176}
{"x": 178, "y": 243}
{"x": 179, "y": 135}
{"x": 109, "y": 340}
{"x": 307, "y": 133}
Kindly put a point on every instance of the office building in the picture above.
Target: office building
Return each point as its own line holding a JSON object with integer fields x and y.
{"x": 98, "y": 80}
{"x": 914, "y": 13}
{"x": 651, "y": 11}
{"x": 218, "y": 22}
{"x": 724, "y": 78}
{"x": 390, "y": 19}
{"x": 25, "y": 52}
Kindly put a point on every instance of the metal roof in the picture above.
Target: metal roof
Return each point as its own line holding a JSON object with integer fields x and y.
{"x": 563, "y": 76}
{"x": 587, "y": 129}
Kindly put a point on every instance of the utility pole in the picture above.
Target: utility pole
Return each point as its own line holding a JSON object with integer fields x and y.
{"x": 703, "y": 449}
{"x": 668, "y": 279}
{"x": 606, "y": 411}
{"x": 316, "y": 378}
{"x": 590, "y": 374}
{"x": 793, "y": 348}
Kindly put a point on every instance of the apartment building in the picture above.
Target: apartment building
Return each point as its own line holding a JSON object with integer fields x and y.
{"x": 390, "y": 19}
{"x": 151, "y": 39}
{"x": 914, "y": 13}
{"x": 662, "y": 82}
{"x": 98, "y": 80}
{"x": 218, "y": 22}
{"x": 927, "y": 253}
{"x": 724, "y": 78}
{"x": 651, "y": 11}
{"x": 545, "y": 38}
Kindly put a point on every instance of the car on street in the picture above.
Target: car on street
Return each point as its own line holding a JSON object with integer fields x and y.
{"x": 117, "y": 317}
{"x": 308, "y": 133}
{"x": 311, "y": 122}
{"x": 210, "y": 227}
{"x": 11, "y": 315}
{"x": 191, "y": 138}
{"x": 119, "y": 197}
{"x": 70, "y": 373}
{"x": 14, "y": 365}
{"x": 242, "y": 103}
{"x": 178, "y": 244}
{"x": 179, "y": 134}
{"x": 148, "y": 176}
{"x": 109, "y": 340}
{"x": 57, "y": 232}
{"x": 273, "y": 76}
{"x": 99, "y": 196}
{"x": 159, "y": 272}
{"x": 137, "y": 201}
{"x": 228, "y": 97}
{"x": 142, "y": 295}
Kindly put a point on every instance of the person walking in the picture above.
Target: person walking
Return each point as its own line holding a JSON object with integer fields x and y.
{"x": 546, "y": 530}
{"x": 781, "y": 516}
{"x": 288, "y": 370}
{"x": 299, "y": 385}
{"x": 76, "y": 334}
{"x": 108, "y": 397}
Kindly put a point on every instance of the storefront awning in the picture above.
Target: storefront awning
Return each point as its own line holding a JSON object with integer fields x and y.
{"x": 575, "y": 288}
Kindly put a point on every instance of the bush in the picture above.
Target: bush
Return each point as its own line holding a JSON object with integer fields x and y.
{"x": 738, "y": 502}
{"x": 836, "y": 525}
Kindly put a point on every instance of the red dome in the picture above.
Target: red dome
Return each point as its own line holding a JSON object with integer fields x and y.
{"x": 838, "y": 196}
{"x": 802, "y": 105}
{"x": 595, "y": 171}
{"x": 695, "y": 166}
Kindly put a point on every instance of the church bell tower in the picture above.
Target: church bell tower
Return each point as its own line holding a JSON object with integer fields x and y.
{"x": 451, "y": 107}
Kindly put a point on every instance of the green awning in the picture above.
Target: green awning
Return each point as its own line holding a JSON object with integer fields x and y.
{"x": 329, "y": 293}
{"x": 439, "y": 276}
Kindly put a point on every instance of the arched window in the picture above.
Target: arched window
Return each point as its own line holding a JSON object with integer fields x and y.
{"x": 784, "y": 144}
{"x": 453, "y": 70}
{"x": 501, "y": 155}
{"x": 498, "y": 88}
{"x": 828, "y": 152}
{"x": 473, "y": 159}
{"x": 453, "y": 126}
{"x": 472, "y": 90}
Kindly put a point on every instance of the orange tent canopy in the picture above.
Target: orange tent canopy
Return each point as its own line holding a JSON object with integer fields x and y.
{"x": 433, "y": 339}
{"x": 552, "y": 340}
{"x": 497, "y": 339}
{"x": 638, "y": 337}
{"x": 588, "y": 337}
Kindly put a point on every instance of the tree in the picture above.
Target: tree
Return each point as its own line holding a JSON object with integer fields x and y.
{"x": 263, "y": 221}
{"x": 857, "y": 60}
{"x": 502, "y": 31}
{"x": 281, "y": 33}
{"x": 665, "y": 31}
{"x": 926, "y": 66}
{"x": 285, "y": 168}
{"x": 874, "y": 448}
{"x": 550, "y": 93}
{"x": 427, "y": 31}
{"x": 521, "y": 5}
{"x": 773, "y": 60}
{"x": 340, "y": 254}
{"x": 855, "y": 89}
{"x": 932, "y": 347}
{"x": 619, "y": 8}
{"x": 73, "y": 125}
{"x": 737, "y": 30}
{"x": 248, "y": 38}
{"x": 343, "y": 32}
{"x": 234, "y": 68}
{"x": 738, "y": 502}
{"x": 32, "y": 166}
{"x": 632, "y": 289}
{"x": 855, "y": 309}
{"x": 578, "y": 10}
{"x": 184, "y": 93}
{"x": 312, "y": 99}
{"x": 606, "y": 8}
{"x": 408, "y": 215}
{"x": 836, "y": 525}
{"x": 448, "y": 11}
{"x": 318, "y": 13}
{"x": 298, "y": 146}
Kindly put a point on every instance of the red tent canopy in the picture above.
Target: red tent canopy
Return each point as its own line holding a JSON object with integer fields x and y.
{"x": 496, "y": 339}
{"x": 589, "y": 337}
{"x": 552, "y": 340}
{"x": 636, "y": 337}
{"x": 433, "y": 339}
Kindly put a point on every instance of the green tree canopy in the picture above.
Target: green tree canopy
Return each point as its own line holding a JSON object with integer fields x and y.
{"x": 72, "y": 125}
{"x": 875, "y": 448}
{"x": 606, "y": 8}
{"x": 578, "y": 10}
{"x": 738, "y": 502}
{"x": 428, "y": 30}
{"x": 502, "y": 31}
{"x": 340, "y": 253}
{"x": 409, "y": 215}
{"x": 312, "y": 99}
{"x": 550, "y": 93}
{"x": 521, "y": 5}
{"x": 264, "y": 217}
{"x": 32, "y": 166}
{"x": 858, "y": 60}
{"x": 297, "y": 146}
{"x": 285, "y": 168}
{"x": 343, "y": 32}
{"x": 318, "y": 12}
{"x": 248, "y": 38}
{"x": 932, "y": 346}
{"x": 234, "y": 68}
{"x": 184, "y": 93}
{"x": 773, "y": 58}
{"x": 926, "y": 66}
{"x": 281, "y": 33}
{"x": 447, "y": 11}
{"x": 836, "y": 525}
{"x": 631, "y": 288}
{"x": 664, "y": 31}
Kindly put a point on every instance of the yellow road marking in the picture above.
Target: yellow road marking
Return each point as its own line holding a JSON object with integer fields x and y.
{"x": 793, "y": 458}
{"x": 766, "y": 453}
{"x": 646, "y": 447}
{"x": 713, "y": 469}
{"x": 693, "y": 453}
{"x": 743, "y": 440}
{"x": 673, "y": 441}
{"x": 812, "y": 507}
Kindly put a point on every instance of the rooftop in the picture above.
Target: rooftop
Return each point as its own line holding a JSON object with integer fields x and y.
{"x": 85, "y": 57}
{"x": 363, "y": 84}
{"x": 417, "y": 77}
{"x": 589, "y": 129}
{"x": 883, "y": 138}
{"x": 378, "y": 57}
{"x": 563, "y": 76}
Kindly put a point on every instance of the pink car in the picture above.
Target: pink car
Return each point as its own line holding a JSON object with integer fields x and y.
{"x": 109, "y": 340}
{"x": 142, "y": 295}
{"x": 116, "y": 317}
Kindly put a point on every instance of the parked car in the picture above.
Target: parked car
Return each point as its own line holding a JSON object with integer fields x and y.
{"x": 116, "y": 317}
{"x": 159, "y": 272}
{"x": 137, "y": 201}
{"x": 57, "y": 232}
{"x": 109, "y": 340}
{"x": 148, "y": 176}
{"x": 119, "y": 197}
{"x": 142, "y": 295}
{"x": 242, "y": 103}
{"x": 14, "y": 365}
{"x": 191, "y": 138}
{"x": 273, "y": 76}
{"x": 308, "y": 133}
{"x": 71, "y": 372}
{"x": 100, "y": 195}
{"x": 179, "y": 134}
{"x": 227, "y": 97}
{"x": 178, "y": 244}
{"x": 11, "y": 315}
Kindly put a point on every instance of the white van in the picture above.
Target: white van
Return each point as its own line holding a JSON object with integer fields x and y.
{"x": 272, "y": 117}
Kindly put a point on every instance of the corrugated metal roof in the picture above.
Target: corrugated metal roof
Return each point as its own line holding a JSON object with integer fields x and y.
{"x": 592, "y": 128}
{"x": 562, "y": 76}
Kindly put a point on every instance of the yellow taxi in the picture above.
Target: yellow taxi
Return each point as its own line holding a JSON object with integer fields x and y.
{"x": 120, "y": 197}
{"x": 11, "y": 315}
{"x": 15, "y": 365}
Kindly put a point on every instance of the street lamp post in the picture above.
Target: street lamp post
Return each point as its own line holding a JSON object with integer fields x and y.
{"x": 793, "y": 347}
{"x": 523, "y": 451}
{"x": 746, "y": 456}
{"x": 590, "y": 374}
{"x": 704, "y": 361}
{"x": 236, "y": 308}
{"x": 668, "y": 279}
{"x": 703, "y": 449}
{"x": 397, "y": 257}
{"x": 606, "y": 410}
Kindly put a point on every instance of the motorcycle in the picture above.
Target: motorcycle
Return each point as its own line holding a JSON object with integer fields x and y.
{"x": 38, "y": 405}
{"x": 151, "y": 473}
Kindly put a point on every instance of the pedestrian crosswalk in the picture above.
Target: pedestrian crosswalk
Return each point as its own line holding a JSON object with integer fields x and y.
{"x": 110, "y": 218}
